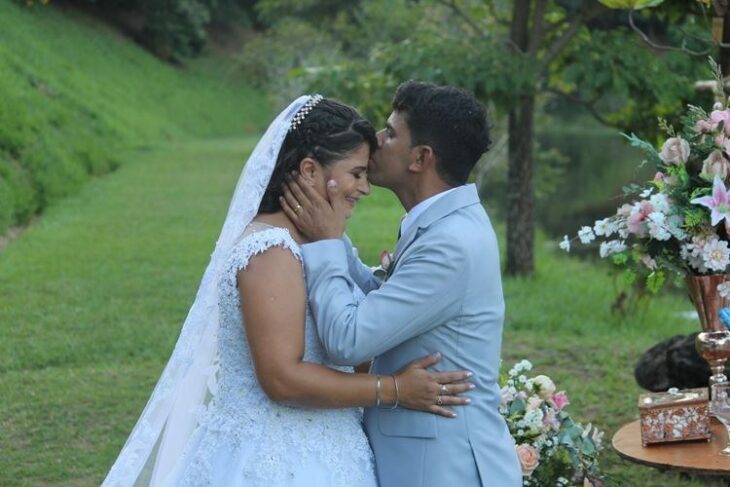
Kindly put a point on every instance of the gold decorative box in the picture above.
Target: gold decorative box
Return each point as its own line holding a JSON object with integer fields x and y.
{"x": 674, "y": 416}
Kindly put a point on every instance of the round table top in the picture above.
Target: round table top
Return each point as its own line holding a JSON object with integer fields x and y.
{"x": 698, "y": 456}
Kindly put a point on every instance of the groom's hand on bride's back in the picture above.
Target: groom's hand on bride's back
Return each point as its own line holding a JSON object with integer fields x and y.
{"x": 316, "y": 217}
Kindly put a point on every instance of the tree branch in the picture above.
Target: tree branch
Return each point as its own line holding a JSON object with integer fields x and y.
{"x": 662, "y": 47}
{"x": 590, "y": 106}
{"x": 463, "y": 16}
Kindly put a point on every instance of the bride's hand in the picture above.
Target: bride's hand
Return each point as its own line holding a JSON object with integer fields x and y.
{"x": 315, "y": 217}
{"x": 428, "y": 391}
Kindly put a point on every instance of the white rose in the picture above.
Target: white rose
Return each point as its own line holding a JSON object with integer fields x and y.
{"x": 545, "y": 386}
{"x": 675, "y": 151}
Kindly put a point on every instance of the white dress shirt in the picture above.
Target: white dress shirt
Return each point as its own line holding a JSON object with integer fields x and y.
{"x": 411, "y": 216}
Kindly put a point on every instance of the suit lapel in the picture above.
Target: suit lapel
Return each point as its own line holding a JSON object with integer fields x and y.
{"x": 458, "y": 198}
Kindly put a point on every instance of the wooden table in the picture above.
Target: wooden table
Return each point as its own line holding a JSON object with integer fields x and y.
{"x": 699, "y": 457}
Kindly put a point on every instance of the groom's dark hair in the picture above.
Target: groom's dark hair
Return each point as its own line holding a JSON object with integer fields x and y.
{"x": 328, "y": 133}
{"x": 449, "y": 120}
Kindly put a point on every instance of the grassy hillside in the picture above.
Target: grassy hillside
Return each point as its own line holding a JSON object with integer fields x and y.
{"x": 73, "y": 93}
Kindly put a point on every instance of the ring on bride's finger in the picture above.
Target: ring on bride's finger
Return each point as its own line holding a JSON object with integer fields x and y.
{"x": 298, "y": 208}
{"x": 444, "y": 389}
{"x": 438, "y": 401}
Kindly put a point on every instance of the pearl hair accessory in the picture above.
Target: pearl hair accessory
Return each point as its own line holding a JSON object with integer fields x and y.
{"x": 304, "y": 111}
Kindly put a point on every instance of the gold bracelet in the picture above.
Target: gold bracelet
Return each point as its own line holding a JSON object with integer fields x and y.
{"x": 377, "y": 391}
{"x": 397, "y": 394}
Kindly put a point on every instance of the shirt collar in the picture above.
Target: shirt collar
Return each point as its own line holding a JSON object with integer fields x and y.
{"x": 417, "y": 210}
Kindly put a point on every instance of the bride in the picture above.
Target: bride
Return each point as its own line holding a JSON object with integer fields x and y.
{"x": 249, "y": 397}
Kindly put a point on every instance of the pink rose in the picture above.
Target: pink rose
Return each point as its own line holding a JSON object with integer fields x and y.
{"x": 659, "y": 177}
{"x": 675, "y": 151}
{"x": 703, "y": 126}
{"x": 716, "y": 164}
{"x": 721, "y": 116}
{"x": 559, "y": 400}
{"x": 635, "y": 222}
{"x": 529, "y": 458}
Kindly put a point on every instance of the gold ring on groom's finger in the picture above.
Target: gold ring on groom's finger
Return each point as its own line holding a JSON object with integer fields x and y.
{"x": 444, "y": 390}
{"x": 438, "y": 401}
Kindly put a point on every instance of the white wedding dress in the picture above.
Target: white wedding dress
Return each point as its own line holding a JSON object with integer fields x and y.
{"x": 208, "y": 422}
{"x": 245, "y": 439}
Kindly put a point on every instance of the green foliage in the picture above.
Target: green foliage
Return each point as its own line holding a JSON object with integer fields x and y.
{"x": 75, "y": 94}
{"x": 272, "y": 65}
{"x": 176, "y": 28}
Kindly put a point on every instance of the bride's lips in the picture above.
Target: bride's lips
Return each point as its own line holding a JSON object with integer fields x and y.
{"x": 351, "y": 200}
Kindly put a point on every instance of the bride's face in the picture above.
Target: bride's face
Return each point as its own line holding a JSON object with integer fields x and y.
{"x": 350, "y": 173}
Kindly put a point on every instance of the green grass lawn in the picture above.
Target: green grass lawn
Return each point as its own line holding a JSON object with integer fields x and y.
{"x": 93, "y": 295}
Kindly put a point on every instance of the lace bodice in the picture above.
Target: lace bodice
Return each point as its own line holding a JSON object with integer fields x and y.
{"x": 241, "y": 413}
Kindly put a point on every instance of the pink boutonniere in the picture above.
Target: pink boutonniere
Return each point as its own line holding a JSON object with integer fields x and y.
{"x": 386, "y": 264}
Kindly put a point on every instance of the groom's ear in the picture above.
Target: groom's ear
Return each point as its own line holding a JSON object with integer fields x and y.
{"x": 309, "y": 169}
{"x": 424, "y": 158}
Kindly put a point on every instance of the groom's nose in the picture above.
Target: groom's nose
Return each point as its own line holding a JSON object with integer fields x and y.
{"x": 380, "y": 136}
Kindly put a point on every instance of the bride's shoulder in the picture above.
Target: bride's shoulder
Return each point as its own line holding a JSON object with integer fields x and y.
{"x": 258, "y": 238}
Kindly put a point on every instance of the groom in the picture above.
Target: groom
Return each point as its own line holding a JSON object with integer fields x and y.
{"x": 443, "y": 292}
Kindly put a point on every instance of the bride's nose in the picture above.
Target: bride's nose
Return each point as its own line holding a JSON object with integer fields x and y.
{"x": 364, "y": 187}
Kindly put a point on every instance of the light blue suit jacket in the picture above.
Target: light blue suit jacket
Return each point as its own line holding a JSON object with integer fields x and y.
{"x": 444, "y": 295}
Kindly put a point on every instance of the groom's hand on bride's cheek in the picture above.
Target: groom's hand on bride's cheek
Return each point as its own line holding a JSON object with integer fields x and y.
{"x": 314, "y": 216}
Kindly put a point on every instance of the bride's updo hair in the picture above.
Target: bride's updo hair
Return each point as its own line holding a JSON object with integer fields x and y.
{"x": 328, "y": 133}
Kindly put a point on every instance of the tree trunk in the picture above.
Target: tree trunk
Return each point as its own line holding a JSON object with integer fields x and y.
{"x": 520, "y": 218}
{"x": 520, "y": 208}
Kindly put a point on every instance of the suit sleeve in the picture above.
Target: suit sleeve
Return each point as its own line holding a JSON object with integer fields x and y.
{"x": 423, "y": 292}
{"x": 360, "y": 273}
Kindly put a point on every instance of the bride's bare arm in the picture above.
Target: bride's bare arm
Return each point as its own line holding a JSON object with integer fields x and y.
{"x": 273, "y": 297}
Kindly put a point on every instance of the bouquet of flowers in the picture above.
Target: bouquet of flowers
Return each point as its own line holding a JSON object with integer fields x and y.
{"x": 677, "y": 222}
{"x": 552, "y": 448}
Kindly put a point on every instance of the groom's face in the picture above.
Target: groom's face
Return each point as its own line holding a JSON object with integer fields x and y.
{"x": 388, "y": 166}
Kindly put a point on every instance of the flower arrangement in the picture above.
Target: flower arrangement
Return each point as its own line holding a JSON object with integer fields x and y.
{"x": 552, "y": 448}
{"x": 678, "y": 221}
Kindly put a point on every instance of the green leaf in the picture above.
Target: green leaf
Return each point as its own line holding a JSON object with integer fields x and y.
{"x": 632, "y": 188}
{"x": 631, "y": 4}
{"x": 620, "y": 259}
{"x": 655, "y": 281}
{"x": 642, "y": 144}
{"x": 629, "y": 277}
{"x": 517, "y": 406}
{"x": 587, "y": 447}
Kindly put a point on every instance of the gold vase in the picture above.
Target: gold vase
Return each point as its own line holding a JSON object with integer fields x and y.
{"x": 707, "y": 301}
{"x": 713, "y": 343}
